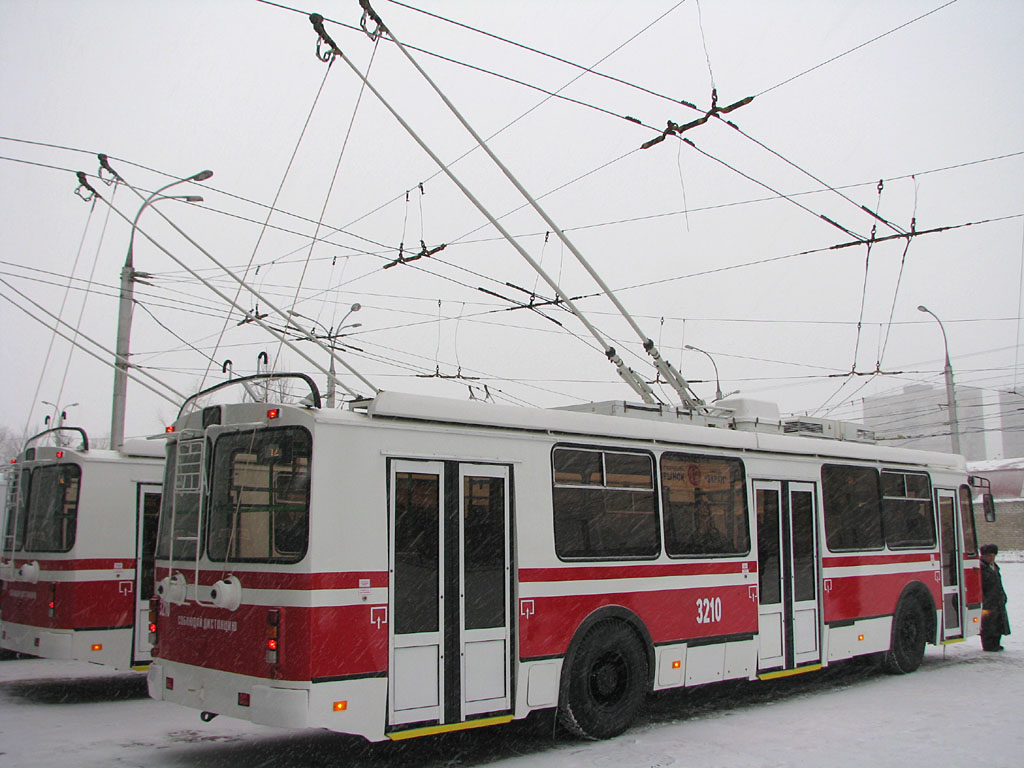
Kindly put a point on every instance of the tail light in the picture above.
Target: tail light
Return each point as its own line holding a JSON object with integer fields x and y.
{"x": 51, "y": 606}
{"x": 154, "y": 611}
{"x": 273, "y": 644}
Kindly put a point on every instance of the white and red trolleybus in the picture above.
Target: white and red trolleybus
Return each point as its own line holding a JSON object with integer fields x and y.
{"x": 77, "y": 559}
{"x": 414, "y": 565}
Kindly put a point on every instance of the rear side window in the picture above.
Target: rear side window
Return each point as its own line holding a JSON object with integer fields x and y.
{"x": 604, "y": 504}
{"x": 853, "y": 520}
{"x": 907, "y": 515}
{"x": 705, "y": 504}
{"x": 52, "y": 514}
{"x": 15, "y": 508}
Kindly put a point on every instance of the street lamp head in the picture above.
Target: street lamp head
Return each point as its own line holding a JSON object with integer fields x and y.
{"x": 355, "y": 307}
{"x": 201, "y": 176}
{"x": 923, "y": 308}
{"x": 191, "y": 198}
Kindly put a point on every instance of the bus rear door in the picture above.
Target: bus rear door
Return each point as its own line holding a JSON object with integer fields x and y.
{"x": 147, "y": 517}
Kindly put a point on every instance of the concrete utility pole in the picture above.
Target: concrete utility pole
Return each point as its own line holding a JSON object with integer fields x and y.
{"x": 954, "y": 425}
{"x": 125, "y": 306}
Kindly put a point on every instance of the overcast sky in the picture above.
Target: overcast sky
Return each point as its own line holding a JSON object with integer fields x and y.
{"x": 721, "y": 243}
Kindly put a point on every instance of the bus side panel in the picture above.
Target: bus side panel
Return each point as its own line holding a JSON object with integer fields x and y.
{"x": 80, "y": 602}
{"x": 547, "y": 624}
{"x": 849, "y": 595}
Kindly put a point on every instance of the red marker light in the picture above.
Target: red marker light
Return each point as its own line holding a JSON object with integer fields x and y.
{"x": 273, "y": 413}
{"x": 14, "y": 461}
{"x": 60, "y": 454}
{"x": 169, "y": 429}
{"x": 272, "y": 644}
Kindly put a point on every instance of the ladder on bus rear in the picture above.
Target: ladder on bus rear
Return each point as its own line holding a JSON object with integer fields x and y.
{"x": 189, "y": 486}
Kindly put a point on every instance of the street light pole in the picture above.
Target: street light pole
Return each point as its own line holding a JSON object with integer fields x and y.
{"x": 718, "y": 384}
{"x": 330, "y": 335}
{"x": 954, "y": 424}
{"x": 125, "y": 306}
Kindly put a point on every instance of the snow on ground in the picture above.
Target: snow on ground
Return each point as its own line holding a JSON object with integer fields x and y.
{"x": 962, "y": 707}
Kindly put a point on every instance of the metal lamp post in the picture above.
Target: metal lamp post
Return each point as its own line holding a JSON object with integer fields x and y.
{"x": 718, "y": 384}
{"x": 954, "y": 425}
{"x": 125, "y": 305}
{"x": 330, "y": 335}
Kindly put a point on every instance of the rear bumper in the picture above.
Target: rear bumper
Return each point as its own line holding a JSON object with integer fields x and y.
{"x": 279, "y": 703}
{"x": 111, "y": 647}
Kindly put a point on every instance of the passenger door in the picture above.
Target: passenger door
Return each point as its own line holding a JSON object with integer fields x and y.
{"x": 147, "y": 516}
{"x": 789, "y": 626}
{"x": 952, "y": 563}
{"x": 450, "y": 569}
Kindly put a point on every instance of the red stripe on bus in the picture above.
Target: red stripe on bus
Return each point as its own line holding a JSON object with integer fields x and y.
{"x": 597, "y": 572}
{"x": 882, "y": 558}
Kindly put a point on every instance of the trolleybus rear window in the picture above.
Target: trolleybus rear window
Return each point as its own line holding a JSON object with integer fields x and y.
{"x": 179, "y": 508}
{"x": 17, "y": 496}
{"x": 705, "y": 505}
{"x": 259, "y": 498}
{"x": 604, "y": 504}
{"x": 53, "y": 508}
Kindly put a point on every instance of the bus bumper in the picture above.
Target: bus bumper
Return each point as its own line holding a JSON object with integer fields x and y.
{"x": 356, "y": 707}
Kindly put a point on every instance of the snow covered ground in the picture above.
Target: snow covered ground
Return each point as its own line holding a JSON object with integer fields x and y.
{"x": 963, "y": 707}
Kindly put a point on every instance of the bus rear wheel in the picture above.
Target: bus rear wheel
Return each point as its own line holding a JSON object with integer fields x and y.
{"x": 606, "y": 682}
{"x": 908, "y": 639}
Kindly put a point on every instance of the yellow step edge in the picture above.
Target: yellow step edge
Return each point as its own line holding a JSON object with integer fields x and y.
{"x": 435, "y": 729}
{"x": 953, "y": 640}
{"x": 140, "y": 667}
{"x": 789, "y": 672}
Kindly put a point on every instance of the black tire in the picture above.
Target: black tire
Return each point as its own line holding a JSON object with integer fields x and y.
{"x": 606, "y": 683}
{"x": 908, "y": 639}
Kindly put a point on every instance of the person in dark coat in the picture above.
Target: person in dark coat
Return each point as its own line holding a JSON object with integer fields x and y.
{"x": 994, "y": 621}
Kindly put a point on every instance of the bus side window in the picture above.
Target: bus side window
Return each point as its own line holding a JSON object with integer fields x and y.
{"x": 705, "y": 505}
{"x": 853, "y": 519}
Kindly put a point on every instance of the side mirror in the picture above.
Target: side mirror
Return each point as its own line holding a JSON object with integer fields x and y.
{"x": 989, "y": 505}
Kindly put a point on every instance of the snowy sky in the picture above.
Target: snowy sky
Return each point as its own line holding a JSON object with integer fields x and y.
{"x": 720, "y": 244}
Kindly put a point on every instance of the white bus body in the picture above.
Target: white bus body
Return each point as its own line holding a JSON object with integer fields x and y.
{"x": 417, "y": 565}
{"x": 77, "y": 567}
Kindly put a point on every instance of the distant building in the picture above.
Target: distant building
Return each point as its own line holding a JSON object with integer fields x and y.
{"x": 991, "y": 422}
{"x": 1007, "y": 478}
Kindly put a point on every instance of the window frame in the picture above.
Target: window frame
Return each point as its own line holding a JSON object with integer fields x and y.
{"x": 744, "y": 500}
{"x": 604, "y": 488}
{"x": 211, "y": 486}
{"x": 825, "y": 493}
{"x": 929, "y": 499}
{"x": 76, "y": 474}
